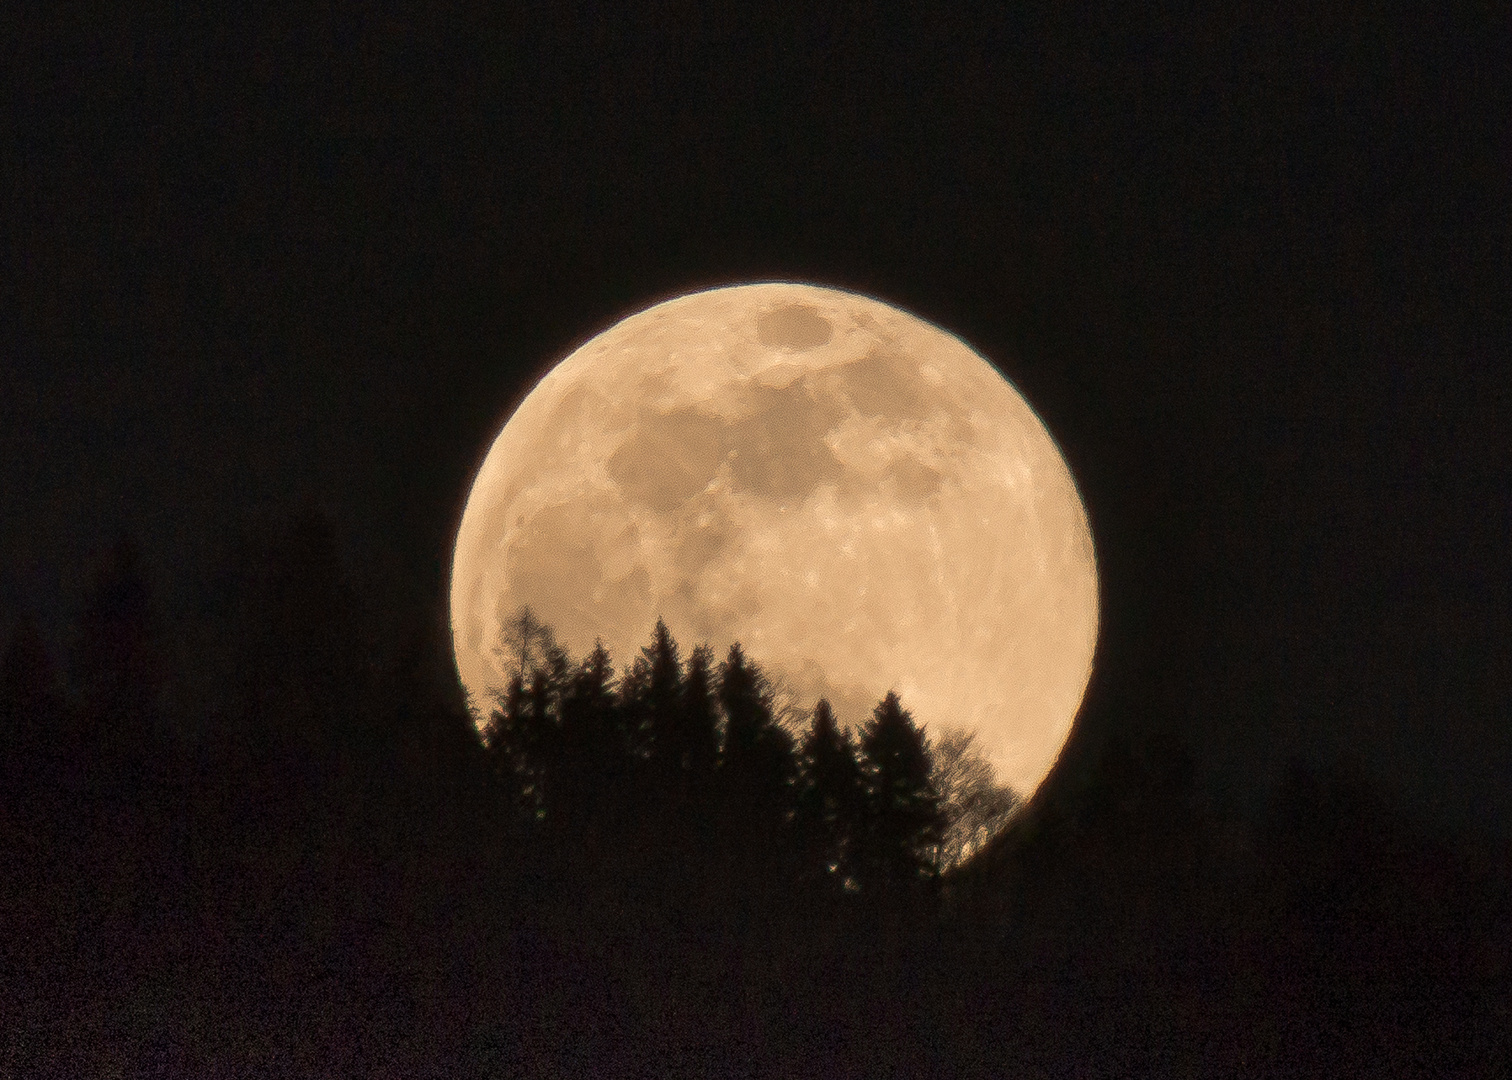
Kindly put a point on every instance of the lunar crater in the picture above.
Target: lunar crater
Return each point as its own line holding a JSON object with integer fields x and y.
{"x": 796, "y": 327}
{"x": 886, "y": 386}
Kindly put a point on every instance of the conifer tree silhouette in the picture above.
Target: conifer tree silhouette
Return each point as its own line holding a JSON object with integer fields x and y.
{"x": 694, "y": 751}
{"x": 594, "y": 741}
{"x": 653, "y": 694}
{"x": 650, "y": 696}
{"x": 831, "y": 799}
{"x": 904, "y": 822}
{"x": 757, "y": 771}
{"x": 514, "y": 739}
{"x": 524, "y": 733}
{"x": 539, "y": 739}
{"x": 594, "y": 764}
{"x": 696, "y": 735}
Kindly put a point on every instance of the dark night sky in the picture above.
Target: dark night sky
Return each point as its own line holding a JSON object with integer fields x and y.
{"x": 1254, "y": 277}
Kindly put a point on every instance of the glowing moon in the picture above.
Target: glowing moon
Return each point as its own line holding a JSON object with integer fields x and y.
{"x": 852, "y": 493}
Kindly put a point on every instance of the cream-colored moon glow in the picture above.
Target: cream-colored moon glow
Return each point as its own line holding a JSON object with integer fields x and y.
{"x": 850, "y": 492}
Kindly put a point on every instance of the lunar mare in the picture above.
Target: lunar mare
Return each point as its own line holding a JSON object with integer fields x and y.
{"x": 852, "y": 493}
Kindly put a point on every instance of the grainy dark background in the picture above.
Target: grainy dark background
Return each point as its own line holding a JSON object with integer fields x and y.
{"x": 1252, "y": 271}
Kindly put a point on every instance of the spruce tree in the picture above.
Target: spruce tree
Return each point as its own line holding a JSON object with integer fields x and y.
{"x": 540, "y": 740}
{"x": 758, "y": 769}
{"x": 525, "y": 733}
{"x": 693, "y": 827}
{"x": 592, "y": 731}
{"x": 904, "y": 822}
{"x": 506, "y": 740}
{"x": 697, "y": 733}
{"x": 596, "y": 764}
{"x": 831, "y": 799}
{"x": 651, "y": 696}
{"x": 657, "y": 685}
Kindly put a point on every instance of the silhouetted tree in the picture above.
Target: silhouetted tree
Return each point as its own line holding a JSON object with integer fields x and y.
{"x": 831, "y": 799}
{"x": 665, "y": 832}
{"x": 594, "y": 742}
{"x": 524, "y": 730}
{"x": 528, "y": 643}
{"x": 757, "y": 770}
{"x": 695, "y": 738}
{"x": 974, "y": 805}
{"x": 595, "y": 765}
{"x": 904, "y": 822}
{"x": 757, "y": 753}
{"x": 651, "y": 695}
{"x": 693, "y": 752}
{"x": 517, "y": 736}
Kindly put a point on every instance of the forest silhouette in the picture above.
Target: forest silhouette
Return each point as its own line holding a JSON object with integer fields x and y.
{"x": 270, "y": 841}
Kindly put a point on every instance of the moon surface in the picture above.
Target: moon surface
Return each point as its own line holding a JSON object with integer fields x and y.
{"x": 850, "y": 492}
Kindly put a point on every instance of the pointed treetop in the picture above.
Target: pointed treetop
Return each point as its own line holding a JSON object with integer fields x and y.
{"x": 738, "y": 677}
{"x": 597, "y": 667}
{"x": 905, "y": 818}
{"x": 529, "y": 643}
{"x": 701, "y": 663}
{"x": 664, "y": 665}
{"x": 824, "y": 720}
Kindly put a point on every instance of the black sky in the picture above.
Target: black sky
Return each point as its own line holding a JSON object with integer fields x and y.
{"x": 1252, "y": 273}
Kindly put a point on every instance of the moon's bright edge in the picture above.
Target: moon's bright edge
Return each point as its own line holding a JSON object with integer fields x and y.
{"x": 850, "y": 492}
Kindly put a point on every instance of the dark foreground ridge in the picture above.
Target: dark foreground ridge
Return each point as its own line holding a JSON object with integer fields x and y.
{"x": 271, "y": 843}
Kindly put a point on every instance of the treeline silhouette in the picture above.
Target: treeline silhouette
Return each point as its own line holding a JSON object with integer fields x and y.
{"x": 679, "y": 778}
{"x": 267, "y": 840}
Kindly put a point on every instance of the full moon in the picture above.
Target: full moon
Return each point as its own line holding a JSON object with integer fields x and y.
{"x": 852, "y": 493}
